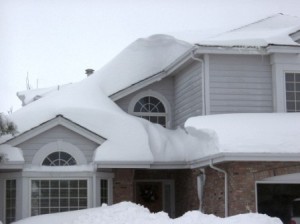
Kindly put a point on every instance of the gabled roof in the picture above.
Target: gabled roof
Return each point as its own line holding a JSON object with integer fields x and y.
{"x": 274, "y": 30}
{"x": 57, "y": 120}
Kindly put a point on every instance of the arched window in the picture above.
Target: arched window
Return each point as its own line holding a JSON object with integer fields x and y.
{"x": 152, "y": 109}
{"x": 59, "y": 158}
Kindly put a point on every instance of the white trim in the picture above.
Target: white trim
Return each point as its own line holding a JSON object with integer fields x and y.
{"x": 62, "y": 146}
{"x": 157, "y": 95}
{"x": 58, "y": 120}
{"x": 206, "y": 84}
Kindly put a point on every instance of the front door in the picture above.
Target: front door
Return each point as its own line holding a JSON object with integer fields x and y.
{"x": 156, "y": 195}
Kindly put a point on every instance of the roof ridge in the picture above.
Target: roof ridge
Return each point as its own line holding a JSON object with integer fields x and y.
{"x": 249, "y": 24}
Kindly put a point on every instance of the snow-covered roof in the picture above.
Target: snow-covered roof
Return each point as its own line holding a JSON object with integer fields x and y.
{"x": 129, "y": 140}
{"x": 10, "y": 155}
{"x": 28, "y": 96}
{"x": 141, "y": 59}
{"x": 274, "y": 30}
{"x": 263, "y": 133}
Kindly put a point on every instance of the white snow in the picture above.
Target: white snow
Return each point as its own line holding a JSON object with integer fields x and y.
{"x": 143, "y": 58}
{"x": 252, "y": 132}
{"x": 130, "y": 213}
{"x": 273, "y": 30}
{"x": 130, "y": 140}
{"x": 10, "y": 154}
{"x": 31, "y": 95}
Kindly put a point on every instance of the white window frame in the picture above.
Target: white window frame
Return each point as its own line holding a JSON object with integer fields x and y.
{"x": 52, "y": 179}
{"x": 160, "y": 97}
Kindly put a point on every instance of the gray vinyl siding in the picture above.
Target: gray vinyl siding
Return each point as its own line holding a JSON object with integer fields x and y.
{"x": 187, "y": 93}
{"x": 240, "y": 84}
{"x": 163, "y": 87}
{"x": 31, "y": 146}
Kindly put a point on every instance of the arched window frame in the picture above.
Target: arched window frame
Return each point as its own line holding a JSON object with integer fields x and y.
{"x": 61, "y": 146}
{"x": 160, "y": 97}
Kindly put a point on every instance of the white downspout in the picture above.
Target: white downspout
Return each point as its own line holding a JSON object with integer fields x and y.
{"x": 202, "y": 76}
{"x": 225, "y": 185}
{"x": 200, "y": 188}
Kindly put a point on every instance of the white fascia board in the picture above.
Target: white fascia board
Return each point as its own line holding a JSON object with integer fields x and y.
{"x": 156, "y": 77}
{"x": 283, "y": 49}
{"x": 127, "y": 164}
{"x": 206, "y": 49}
{"x": 12, "y": 166}
{"x": 133, "y": 88}
{"x": 58, "y": 120}
{"x": 245, "y": 157}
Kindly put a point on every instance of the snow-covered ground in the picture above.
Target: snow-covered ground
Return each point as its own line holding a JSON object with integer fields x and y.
{"x": 130, "y": 213}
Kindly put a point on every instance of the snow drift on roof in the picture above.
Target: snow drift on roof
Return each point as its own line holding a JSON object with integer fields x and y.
{"x": 253, "y": 133}
{"x": 129, "y": 139}
{"x": 28, "y": 96}
{"x": 272, "y": 30}
{"x": 141, "y": 59}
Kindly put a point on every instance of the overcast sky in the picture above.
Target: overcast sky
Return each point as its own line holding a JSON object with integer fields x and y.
{"x": 54, "y": 41}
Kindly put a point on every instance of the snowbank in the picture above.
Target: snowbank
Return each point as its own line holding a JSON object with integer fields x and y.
{"x": 129, "y": 213}
{"x": 253, "y": 133}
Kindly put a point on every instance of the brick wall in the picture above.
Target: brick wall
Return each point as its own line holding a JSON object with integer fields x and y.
{"x": 185, "y": 182}
{"x": 123, "y": 185}
{"x": 242, "y": 177}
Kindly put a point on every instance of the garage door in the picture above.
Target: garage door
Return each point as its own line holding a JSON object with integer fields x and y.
{"x": 278, "y": 196}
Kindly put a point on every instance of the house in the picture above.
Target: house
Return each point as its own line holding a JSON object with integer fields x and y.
{"x": 213, "y": 146}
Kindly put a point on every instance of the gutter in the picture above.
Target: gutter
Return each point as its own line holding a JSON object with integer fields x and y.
{"x": 211, "y": 165}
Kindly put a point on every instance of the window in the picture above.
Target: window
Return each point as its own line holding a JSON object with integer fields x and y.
{"x": 292, "y": 92}
{"x": 10, "y": 202}
{"x": 59, "y": 159}
{"x": 103, "y": 191}
{"x": 152, "y": 109}
{"x": 51, "y": 196}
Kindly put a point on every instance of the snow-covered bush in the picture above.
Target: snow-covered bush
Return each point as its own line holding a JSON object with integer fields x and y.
{"x": 6, "y": 125}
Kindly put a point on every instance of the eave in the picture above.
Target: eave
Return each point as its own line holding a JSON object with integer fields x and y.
{"x": 204, "y": 161}
{"x": 244, "y": 157}
{"x": 180, "y": 61}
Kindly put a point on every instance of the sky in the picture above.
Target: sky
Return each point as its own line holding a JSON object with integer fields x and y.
{"x": 54, "y": 41}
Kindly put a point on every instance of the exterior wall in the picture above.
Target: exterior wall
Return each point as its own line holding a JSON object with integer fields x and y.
{"x": 185, "y": 182}
{"x": 163, "y": 87}
{"x": 187, "y": 93}
{"x": 240, "y": 84}
{"x": 31, "y": 146}
{"x": 242, "y": 177}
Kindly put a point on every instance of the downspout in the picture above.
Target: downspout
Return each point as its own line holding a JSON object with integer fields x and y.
{"x": 202, "y": 76}
{"x": 200, "y": 188}
{"x": 225, "y": 185}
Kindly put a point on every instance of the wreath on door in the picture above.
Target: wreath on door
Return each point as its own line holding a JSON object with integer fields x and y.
{"x": 148, "y": 193}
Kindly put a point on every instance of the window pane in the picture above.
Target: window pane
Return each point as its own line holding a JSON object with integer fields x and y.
{"x": 289, "y": 77}
{"x": 148, "y": 108}
{"x": 297, "y": 76}
{"x": 290, "y": 96}
{"x": 290, "y": 87}
{"x": 59, "y": 159}
{"x": 58, "y": 195}
{"x": 10, "y": 209}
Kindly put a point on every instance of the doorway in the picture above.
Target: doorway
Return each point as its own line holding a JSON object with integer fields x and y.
{"x": 156, "y": 195}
